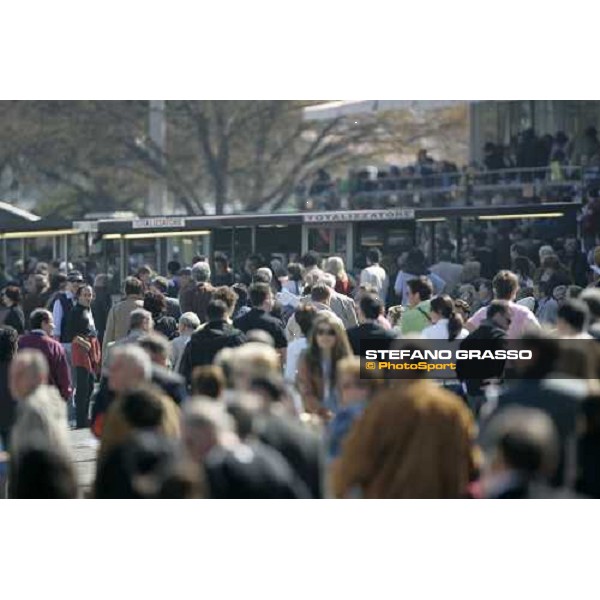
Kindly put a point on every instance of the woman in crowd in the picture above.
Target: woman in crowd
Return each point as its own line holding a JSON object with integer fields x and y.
{"x": 317, "y": 367}
{"x": 446, "y": 324}
{"x": 335, "y": 266}
{"x": 354, "y": 393}
{"x": 14, "y": 317}
{"x": 156, "y": 304}
{"x": 81, "y": 333}
{"x": 413, "y": 441}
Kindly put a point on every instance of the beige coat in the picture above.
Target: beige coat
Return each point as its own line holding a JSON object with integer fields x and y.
{"x": 117, "y": 324}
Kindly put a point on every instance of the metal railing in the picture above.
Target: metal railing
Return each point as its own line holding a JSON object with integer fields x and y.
{"x": 468, "y": 188}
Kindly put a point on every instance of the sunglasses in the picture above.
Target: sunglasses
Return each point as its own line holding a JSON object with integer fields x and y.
{"x": 325, "y": 332}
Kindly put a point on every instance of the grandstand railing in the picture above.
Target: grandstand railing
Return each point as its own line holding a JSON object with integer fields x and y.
{"x": 467, "y": 188}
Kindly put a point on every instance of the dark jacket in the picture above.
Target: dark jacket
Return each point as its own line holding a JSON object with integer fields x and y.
{"x": 15, "y": 318}
{"x": 78, "y": 323}
{"x": 254, "y": 472}
{"x": 259, "y": 319}
{"x": 7, "y": 403}
{"x": 299, "y": 445}
{"x": 206, "y": 343}
{"x": 367, "y": 331}
{"x": 474, "y": 372}
{"x": 195, "y": 298}
{"x": 101, "y": 306}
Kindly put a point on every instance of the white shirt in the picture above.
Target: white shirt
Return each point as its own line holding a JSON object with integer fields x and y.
{"x": 58, "y": 313}
{"x": 378, "y": 278}
{"x": 294, "y": 350}
{"x": 439, "y": 331}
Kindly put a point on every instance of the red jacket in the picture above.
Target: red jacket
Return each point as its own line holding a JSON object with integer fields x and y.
{"x": 58, "y": 367}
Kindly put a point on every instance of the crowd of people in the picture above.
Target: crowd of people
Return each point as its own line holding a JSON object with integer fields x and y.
{"x": 221, "y": 384}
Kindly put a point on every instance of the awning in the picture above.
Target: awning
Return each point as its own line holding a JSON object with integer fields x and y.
{"x": 343, "y": 108}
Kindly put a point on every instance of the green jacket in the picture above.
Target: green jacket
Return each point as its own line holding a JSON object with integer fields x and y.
{"x": 414, "y": 320}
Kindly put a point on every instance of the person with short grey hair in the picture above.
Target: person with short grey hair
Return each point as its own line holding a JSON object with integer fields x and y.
{"x": 28, "y": 371}
{"x": 201, "y": 272}
{"x": 188, "y": 323}
{"x": 196, "y": 296}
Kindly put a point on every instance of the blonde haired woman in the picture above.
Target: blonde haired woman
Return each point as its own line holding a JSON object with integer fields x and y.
{"x": 335, "y": 266}
{"x": 317, "y": 366}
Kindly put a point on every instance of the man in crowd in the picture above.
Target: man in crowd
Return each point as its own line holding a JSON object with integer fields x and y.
{"x": 370, "y": 307}
{"x": 118, "y": 321}
{"x": 235, "y": 468}
{"x": 28, "y": 371}
{"x": 173, "y": 384}
{"x": 207, "y": 342}
{"x": 447, "y": 270}
{"x": 416, "y": 317}
{"x": 506, "y": 286}
{"x": 343, "y": 306}
{"x": 521, "y": 452}
{"x": 129, "y": 367}
{"x": 262, "y": 299}
{"x": 64, "y": 303}
{"x": 188, "y": 323}
{"x": 374, "y": 274}
{"x": 40, "y": 338}
{"x": 196, "y": 296}
{"x": 476, "y": 375}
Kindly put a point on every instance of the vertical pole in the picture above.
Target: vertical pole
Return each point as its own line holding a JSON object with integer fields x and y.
{"x": 253, "y": 238}
{"x": 432, "y": 236}
{"x": 232, "y": 253}
{"x": 350, "y": 245}
{"x": 458, "y": 238}
{"x": 304, "y": 239}
{"x": 157, "y": 126}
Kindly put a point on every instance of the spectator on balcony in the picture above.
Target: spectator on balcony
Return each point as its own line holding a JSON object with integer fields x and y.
{"x": 560, "y": 148}
{"x": 586, "y": 148}
{"x": 414, "y": 267}
{"x": 321, "y": 183}
{"x": 492, "y": 157}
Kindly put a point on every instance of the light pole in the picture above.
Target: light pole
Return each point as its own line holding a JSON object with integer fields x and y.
{"x": 157, "y": 203}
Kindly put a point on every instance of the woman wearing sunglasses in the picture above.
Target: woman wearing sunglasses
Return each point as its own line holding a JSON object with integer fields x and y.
{"x": 317, "y": 367}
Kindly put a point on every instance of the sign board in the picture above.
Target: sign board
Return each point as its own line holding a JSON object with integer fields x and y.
{"x": 393, "y": 214}
{"x": 158, "y": 223}
{"x": 86, "y": 226}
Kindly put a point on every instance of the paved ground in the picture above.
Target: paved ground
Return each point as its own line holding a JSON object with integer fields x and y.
{"x": 84, "y": 449}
